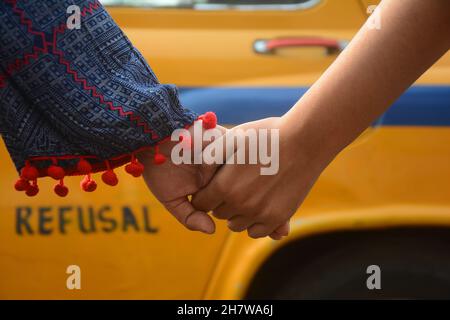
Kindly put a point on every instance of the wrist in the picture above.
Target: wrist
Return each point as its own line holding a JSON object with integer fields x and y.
{"x": 309, "y": 143}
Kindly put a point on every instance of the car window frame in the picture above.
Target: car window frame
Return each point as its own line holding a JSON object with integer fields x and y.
{"x": 254, "y": 7}
{"x": 228, "y": 6}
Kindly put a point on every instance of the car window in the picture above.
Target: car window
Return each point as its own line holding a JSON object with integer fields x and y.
{"x": 214, "y": 4}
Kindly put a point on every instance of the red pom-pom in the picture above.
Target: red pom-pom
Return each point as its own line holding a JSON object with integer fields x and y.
{"x": 209, "y": 120}
{"x": 84, "y": 181}
{"x": 135, "y": 169}
{"x": 32, "y": 190}
{"x": 21, "y": 185}
{"x": 159, "y": 158}
{"x": 91, "y": 186}
{"x": 29, "y": 173}
{"x": 84, "y": 167}
{"x": 61, "y": 190}
{"x": 110, "y": 178}
{"x": 88, "y": 185}
{"x": 56, "y": 172}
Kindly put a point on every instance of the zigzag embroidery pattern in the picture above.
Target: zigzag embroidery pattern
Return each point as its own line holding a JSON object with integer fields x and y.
{"x": 19, "y": 63}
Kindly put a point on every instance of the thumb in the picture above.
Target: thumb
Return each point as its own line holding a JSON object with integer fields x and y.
{"x": 188, "y": 216}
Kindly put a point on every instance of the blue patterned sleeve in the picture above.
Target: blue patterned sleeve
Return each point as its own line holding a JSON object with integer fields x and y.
{"x": 82, "y": 100}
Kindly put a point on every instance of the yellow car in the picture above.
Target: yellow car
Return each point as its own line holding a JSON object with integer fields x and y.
{"x": 383, "y": 202}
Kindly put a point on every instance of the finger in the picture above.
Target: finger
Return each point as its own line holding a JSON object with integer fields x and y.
{"x": 223, "y": 212}
{"x": 283, "y": 230}
{"x": 224, "y": 145}
{"x": 259, "y": 230}
{"x": 188, "y": 216}
{"x": 280, "y": 232}
{"x": 275, "y": 236}
{"x": 211, "y": 196}
{"x": 210, "y": 139}
{"x": 219, "y": 131}
{"x": 208, "y": 169}
{"x": 239, "y": 223}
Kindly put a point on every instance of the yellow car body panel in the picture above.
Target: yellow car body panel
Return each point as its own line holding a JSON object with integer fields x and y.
{"x": 368, "y": 186}
{"x": 393, "y": 175}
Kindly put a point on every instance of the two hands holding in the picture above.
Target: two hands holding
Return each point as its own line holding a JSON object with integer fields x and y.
{"x": 239, "y": 193}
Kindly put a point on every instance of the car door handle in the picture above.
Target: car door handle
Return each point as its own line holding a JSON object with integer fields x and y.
{"x": 270, "y": 46}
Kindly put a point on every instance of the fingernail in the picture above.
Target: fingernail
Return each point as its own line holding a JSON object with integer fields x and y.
{"x": 207, "y": 230}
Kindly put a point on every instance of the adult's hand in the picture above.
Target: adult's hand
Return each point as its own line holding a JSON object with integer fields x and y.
{"x": 262, "y": 204}
{"x": 172, "y": 183}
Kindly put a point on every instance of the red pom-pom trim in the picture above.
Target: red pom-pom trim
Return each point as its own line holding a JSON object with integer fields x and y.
{"x": 29, "y": 173}
{"x": 56, "y": 172}
{"x": 21, "y": 184}
{"x": 60, "y": 189}
{"x": 32, "y": 190}
{"x": 88, "y": 185}
{"x": 159, "y": 159}
{"x": 110, "y": 178}
{"x": 135, "y": 169}
{"x": 84, "y": 167}
{"x": 209, "y": 120}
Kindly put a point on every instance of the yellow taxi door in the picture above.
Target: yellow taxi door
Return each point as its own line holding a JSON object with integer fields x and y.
{"x": 226, "y": 56}
{"x": 236, "y": 45}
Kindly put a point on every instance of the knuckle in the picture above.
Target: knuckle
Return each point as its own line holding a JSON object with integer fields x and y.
{"x": 252, "y": 205}
{"x": 235, "y": 228}
{"x": 254, "y": 235}
{"x": 269, "y": 217}
{"x": 257, "y": 232}
{"x": 220, "y": 214}
{"x": 199, "y": 203}
{"x": 247, "y": 207}
{"x": 217, "y": 215}
{"x": 221, "y": 189}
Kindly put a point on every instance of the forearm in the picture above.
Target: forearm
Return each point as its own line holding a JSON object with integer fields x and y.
{"x": 370, "y": 75}
{"x": 78, "y": 101}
